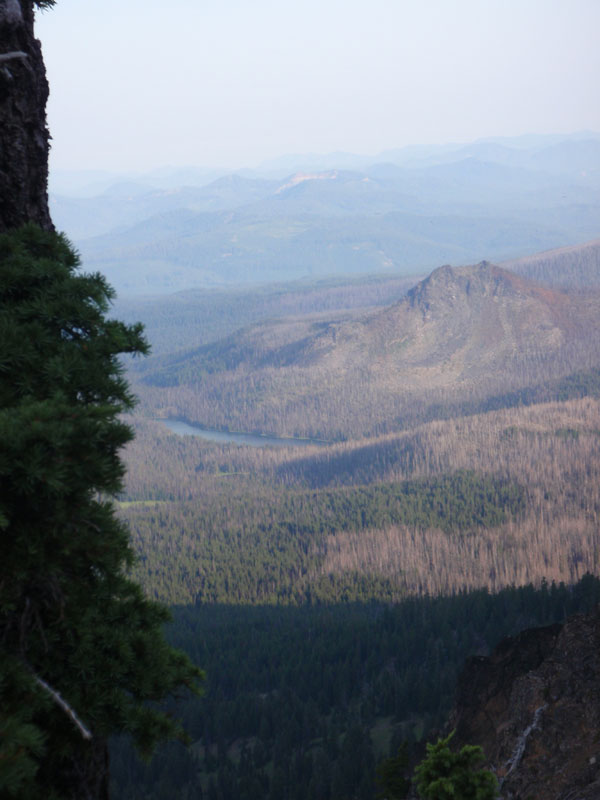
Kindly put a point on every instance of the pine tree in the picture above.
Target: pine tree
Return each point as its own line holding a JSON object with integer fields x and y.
{"x": 82, "y": 654}
{"x": 444, "y": 775}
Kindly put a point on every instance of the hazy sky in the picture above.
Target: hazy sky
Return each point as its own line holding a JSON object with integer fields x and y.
{"x": 141, "y": 83}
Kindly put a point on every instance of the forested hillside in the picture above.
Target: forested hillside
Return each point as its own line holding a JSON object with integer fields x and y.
{"x": 490, "y": 500}
{"x": 576, "y": 267}
{"x": 185, "y": 320}
{"x": 460, "y": 341}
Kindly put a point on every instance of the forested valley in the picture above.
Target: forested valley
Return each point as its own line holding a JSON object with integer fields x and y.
{"x": 333, "y": 591}
{"x": 304, "y": 702}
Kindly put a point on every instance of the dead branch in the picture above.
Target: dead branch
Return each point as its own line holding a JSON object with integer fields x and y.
{"x": 11, "y": 56}
{"x": 60, "y": 701}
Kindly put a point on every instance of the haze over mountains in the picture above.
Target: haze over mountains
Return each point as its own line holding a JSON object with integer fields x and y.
{"x": 405, "y": 211}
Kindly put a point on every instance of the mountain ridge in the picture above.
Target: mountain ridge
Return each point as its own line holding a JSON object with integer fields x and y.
{"x": 465, "y": 203}
{"x": 459, "y": 334}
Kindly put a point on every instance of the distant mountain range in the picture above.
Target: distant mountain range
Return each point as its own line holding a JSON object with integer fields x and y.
{"x": 417, "y": 208}
{"x": 89, "y": 183}
{"x": 461, "y": 336}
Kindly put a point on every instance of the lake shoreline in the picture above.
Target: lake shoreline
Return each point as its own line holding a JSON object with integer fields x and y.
{"x": 183, "y": 427}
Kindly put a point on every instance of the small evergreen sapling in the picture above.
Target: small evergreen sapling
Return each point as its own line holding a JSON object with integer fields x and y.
{"x": 444, "y": 775}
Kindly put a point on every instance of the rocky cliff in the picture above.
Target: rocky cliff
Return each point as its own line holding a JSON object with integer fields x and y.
{"x": 534, "y": 707}
{"x": 23, "y": 133}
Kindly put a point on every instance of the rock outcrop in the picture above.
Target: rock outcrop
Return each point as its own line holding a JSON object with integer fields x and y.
{"x": 534, "y": 707}
{"x": 23, "y": 132}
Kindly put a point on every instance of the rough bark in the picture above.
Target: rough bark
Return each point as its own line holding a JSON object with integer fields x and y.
{"x": 24, "y": 138}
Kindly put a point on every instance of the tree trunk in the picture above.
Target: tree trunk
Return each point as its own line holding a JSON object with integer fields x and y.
{"x": 23, "y": 133}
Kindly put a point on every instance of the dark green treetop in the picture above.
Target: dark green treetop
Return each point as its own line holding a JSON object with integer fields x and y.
{"x": 82, "y": 654}
{"x": 444, "y": 775}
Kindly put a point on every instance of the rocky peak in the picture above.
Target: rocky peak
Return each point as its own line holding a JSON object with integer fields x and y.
{"x": 433, "y": 288}
{"x": 446, "y": 285}
{"x": 534, "y": 707}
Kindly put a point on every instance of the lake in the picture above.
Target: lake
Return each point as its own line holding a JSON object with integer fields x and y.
{"x": 223, "y": 437}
